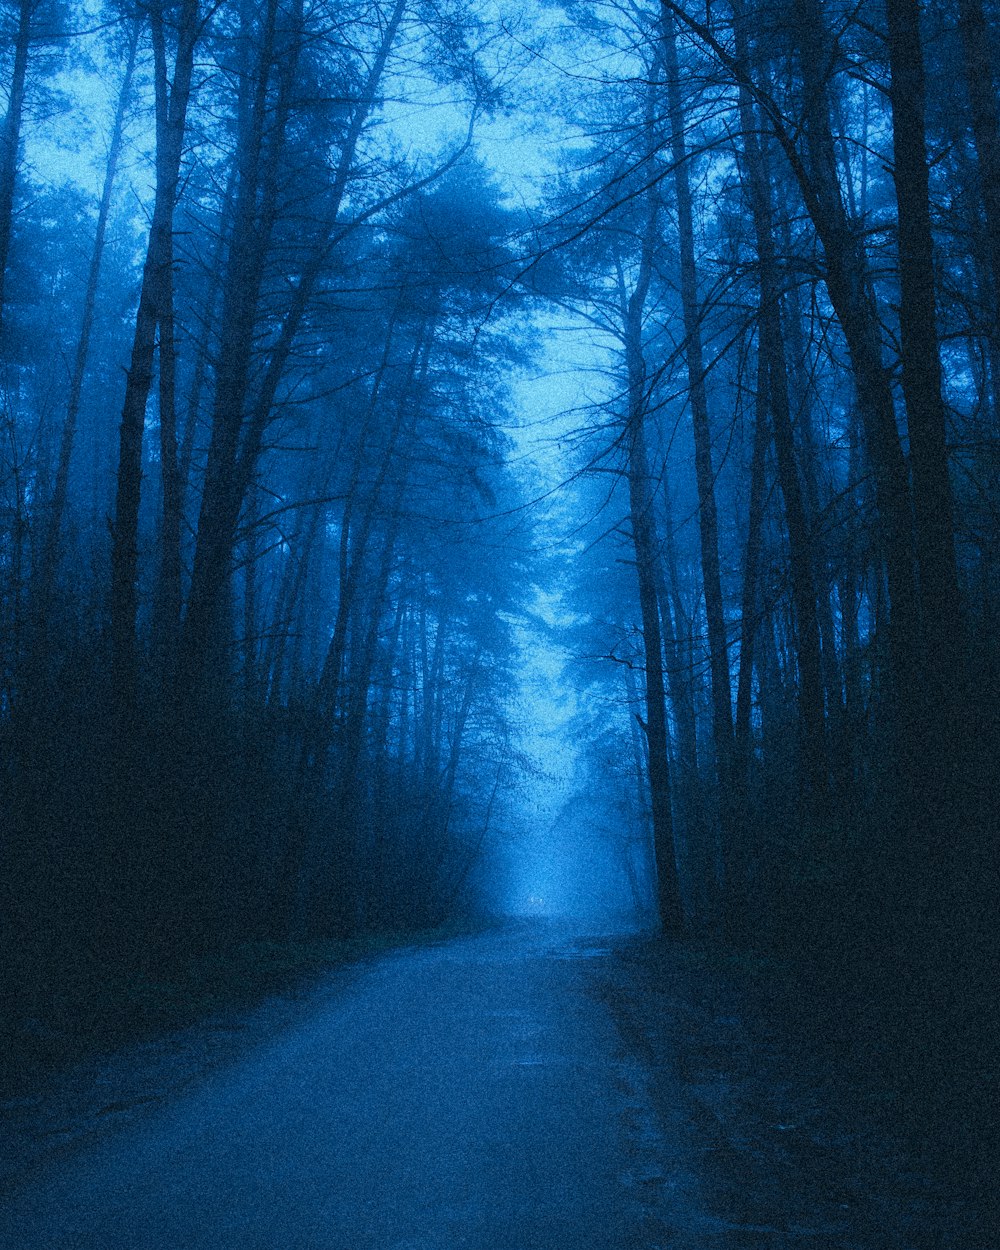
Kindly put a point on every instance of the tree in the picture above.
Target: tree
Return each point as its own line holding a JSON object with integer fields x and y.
{"x": 172, "y": 98}
{"x": 57, "y": 507}
{"x": 921, "y": 371}
{"x": 26, "y": 26}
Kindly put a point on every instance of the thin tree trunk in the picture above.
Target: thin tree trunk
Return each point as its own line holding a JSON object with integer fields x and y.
{"x": 10, "y": 138}
{"x": 801, "y": 397}
{"x": 251, "y": 554}
{"x": 977, "y": 40}
{"x": 289, "y": 600}
{"x": 216, "y": 271}
{"x": 362, "y": 669}
{"x": 655, "y": 725}
{"x": 683, "y": 629}
{"x": 751, "y": 576}
{"x": 343, "y": 893}
{"x": 432, "y": 695}
{"x": 57, "y": 505}
{"x": 851, "y": 590}
{"x": 678, "y": 681}
{"x": 380, "y": 730}
{"x": 458, "y": 733}
{"x": 677, "y": 672}
{"x": 168, "y": 594}
{"x": 352, "y": 560}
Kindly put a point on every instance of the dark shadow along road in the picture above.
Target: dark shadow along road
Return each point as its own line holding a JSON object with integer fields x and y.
{"x": 490, "y": 1093}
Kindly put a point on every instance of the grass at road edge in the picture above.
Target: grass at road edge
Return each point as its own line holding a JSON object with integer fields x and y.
{"x": 87, "y": 1006}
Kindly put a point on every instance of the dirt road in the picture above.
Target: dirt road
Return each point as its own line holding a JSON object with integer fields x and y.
{"x": 495, "y": 1092}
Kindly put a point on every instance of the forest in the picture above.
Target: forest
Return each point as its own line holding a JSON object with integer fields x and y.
{"x": 274, "y": 512}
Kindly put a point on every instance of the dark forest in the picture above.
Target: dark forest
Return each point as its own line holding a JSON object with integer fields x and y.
{"x": 400, "y": 398}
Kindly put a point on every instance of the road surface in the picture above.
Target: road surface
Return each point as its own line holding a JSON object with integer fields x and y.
{"x": 481, "y": 1094}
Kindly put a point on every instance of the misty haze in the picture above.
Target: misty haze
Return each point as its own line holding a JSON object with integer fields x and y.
{"x": 499, "y": 582}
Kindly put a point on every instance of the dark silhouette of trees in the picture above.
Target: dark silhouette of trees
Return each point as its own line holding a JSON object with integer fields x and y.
{"x": 272, "y": 700}
{"x": 813, "y": 391}
{"x": 27, "y": 27}
{"x": 258, "y": 649}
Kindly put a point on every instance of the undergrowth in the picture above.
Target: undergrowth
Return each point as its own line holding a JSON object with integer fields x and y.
{"x": 87, "y": 1005}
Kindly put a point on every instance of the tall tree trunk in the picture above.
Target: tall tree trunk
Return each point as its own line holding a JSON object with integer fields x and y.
{"x": 171, "y": 116}
{"x": 431, "y": 703}
{"x": 850, "y": 291}
{"x": 341, "y": 893}
{"x": 751, "y": 577}
{"x": 722, "y": 713}
{"x": 232, "y": 459}
{"x": 260, "y": 146}
{"x": 250, "y": 646}
{"x": 655, "y": 724}
{"x": 683, "y": 625}
{"x": 848, "y": 285}
{"x": 10, "y": 137}
{"x": 677, "y": 662}
{"x": 450, "y": 776}
{"x": 642, "y": 521}
{"x": 209, "y": 317}
{"x": 921, "y": 369}
{"x": 802, "y": 400}
{"x": 168, "y": 593}
{"x": 348, "y": 545}
{"x": 380, "y": 729}
{"x": 678, "y": 683}
{"x": 60, "y": 489}
{"x": 851, "y": 590}
{"x": 937, "y": 929}
{"x": 977, "y": 39}
{"x": 811, "y": 702}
